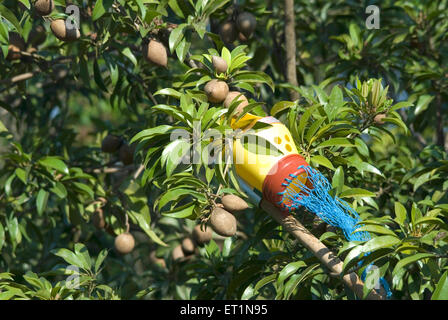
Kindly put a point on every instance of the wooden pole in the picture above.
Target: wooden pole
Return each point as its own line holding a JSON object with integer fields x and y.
{"x": 328, "y": 258}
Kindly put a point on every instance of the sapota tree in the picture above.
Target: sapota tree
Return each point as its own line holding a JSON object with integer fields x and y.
{"x": 103, "y": 105}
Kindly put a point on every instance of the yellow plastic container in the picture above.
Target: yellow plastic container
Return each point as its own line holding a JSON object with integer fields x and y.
{"x": 257, "y": 152}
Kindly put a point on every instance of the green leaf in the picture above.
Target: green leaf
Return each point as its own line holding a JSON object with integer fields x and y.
{"x": 280, "y": 106}
{"x": 41, "y": 201}
{"x": 441, "y": 291}
{"x": 400, "y": 213}
{"x": 83, "y": 254}
{"x": 408, "y": 260}
{"x": 128, "y": 53}
{"x": 288, "y": 270}
{"x": 176, "y": 36}
{"x": 100, "y": 8}
{"x": 183, "y": 212}
{"x": 380, "y": 242}
{"x": 340, "y": 142}
{"x": 338, "y": 179}
{"x": 173, "y": 154}
{"x": 100, "y": 259}
{"x": 356, "y": 192}
{"x": 68, "y": 256}
{"x": 322, "y": 161}
{"x": 2, "y": 240}
{"x": 54, "y": 163}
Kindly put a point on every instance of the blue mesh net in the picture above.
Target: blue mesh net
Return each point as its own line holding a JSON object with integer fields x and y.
{"x": 314, "y": 196}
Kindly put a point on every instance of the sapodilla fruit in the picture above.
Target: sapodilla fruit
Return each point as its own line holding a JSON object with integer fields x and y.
{"x": 219, "y": 64}
{"x": 154, "y": 259}
{"x": 379, "y": 118}
{"x": 234, "y": 203}
{"x": 223, "y": 222}
{"x": 111, "y": 143}
{"x": 60, "y": 30}
{"x": 242, "y": 37}
{"x": 216, "y": 90}
{"x": 98, "y": 219}
{"x": 231, "y": 96}
{"x": 37, "y": 36}
{"x": 16, "y": 44}
{"x": 126, "y": 154}
{"x": 246, "y": 23}
{"x": 177, "y": 253}
{"x": 188, "y": 246}
{"x": 202, "y": 237}
{"x": 155, "y": 52}
{"x": 44, "y": 7}
{"x": 228, "y": 32}
{"x": 124, "y": 243}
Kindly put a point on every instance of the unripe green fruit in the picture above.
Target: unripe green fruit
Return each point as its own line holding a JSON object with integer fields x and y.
{"x": 202, "y": 237}
{"x": 188, "y": 246}
{"x": 177, "y": 253}
{"x": 219, "y": 64}
{"x": 228, "y": 32}
{"x": 234, "y": 203}
{"x": 44, "y": 7}
{"x": 155, "y": 52}
{"x": 216, "y": 91}
{"x": 124, "y": 243}
{"x": 111, "y": 143}
{"x": 246, "y": 23}
{"x": 126, "y": 154}
{"x": 60, "y": 30}
{"x": 223, "y": 222}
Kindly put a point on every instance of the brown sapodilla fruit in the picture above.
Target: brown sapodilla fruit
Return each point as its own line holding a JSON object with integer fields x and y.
{"x": 231, "y": 96}
{"x": 228, "y": 32}
{"x": 246, "y": 23}
{"x": 111, "y": 143}
{"x": 155, "y": 52}
{"x": 234, "y": 203}
{"x": 216, "y": 90}
{"x": 124, "y": 243}
{"x": 44, "y": 7}
{"x": 242, "y": 37}
{"x": 223, "y": 222}
{"x": 37, "y": 36}
{"x": 379, "y": 118}
{"x": 126, "y": 154}
{"x": 16, "y": 44}
{"x": 177, "y": 253}
{"x": 202, "y": 237}
{"x": 60, "y": 30}
{"x": 219, "y": 64}
{"x": 154, "y": 259}
{"x": 98, "y": 219}
{"x": 188, "y": 246}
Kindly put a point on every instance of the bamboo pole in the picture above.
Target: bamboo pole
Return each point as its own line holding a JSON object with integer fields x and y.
{"x": 328, "y": 258}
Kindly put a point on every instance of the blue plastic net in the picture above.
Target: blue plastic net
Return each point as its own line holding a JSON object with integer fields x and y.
{"x": 314, "y": 196}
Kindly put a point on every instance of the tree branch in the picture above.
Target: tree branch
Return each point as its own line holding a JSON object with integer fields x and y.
{"x": 290, "y": 42}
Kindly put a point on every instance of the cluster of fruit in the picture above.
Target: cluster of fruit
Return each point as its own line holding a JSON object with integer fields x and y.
{"x": 217, "y": 91}
{"x": 112, "y": 144}
{"x": 221, "y": 221}
{"x": 37, "y": 35}
{"x": 241, "y": 27}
